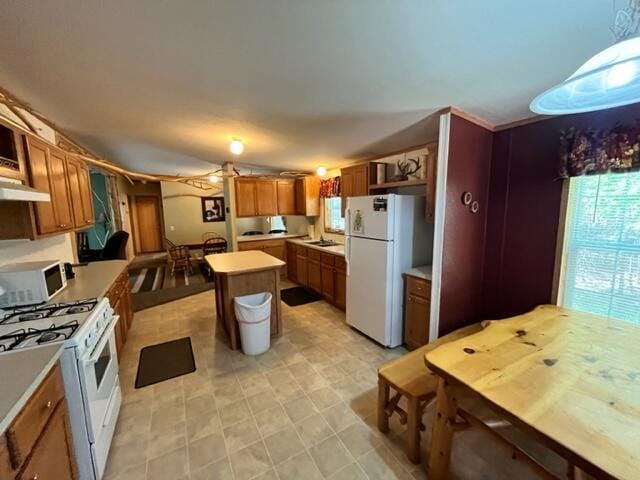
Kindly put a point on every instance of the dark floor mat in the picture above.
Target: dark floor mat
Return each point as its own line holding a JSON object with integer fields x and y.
{"x": 164, "y": 361}
{"x": 299, "y": 296}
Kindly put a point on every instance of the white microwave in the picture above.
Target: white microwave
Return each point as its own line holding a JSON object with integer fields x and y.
{"x": 29, "y": 283}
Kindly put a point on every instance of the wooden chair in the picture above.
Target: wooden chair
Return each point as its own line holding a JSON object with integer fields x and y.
{"x": 214, "y": 245}
{"x": 179, "y": 259}
{"x": 410, "y": 378}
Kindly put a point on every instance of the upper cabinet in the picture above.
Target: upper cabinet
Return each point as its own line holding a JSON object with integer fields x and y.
{"x": 307, "y": 191}
{"x": 286, "y": 197}
{"x": 11, "y": 153}
{"x": 262, "y": 197}
{"x": 80, "y": 190}
{"x": 354, "y": 182}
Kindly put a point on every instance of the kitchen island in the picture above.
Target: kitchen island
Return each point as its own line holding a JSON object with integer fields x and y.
{"x": 244, "y": 273}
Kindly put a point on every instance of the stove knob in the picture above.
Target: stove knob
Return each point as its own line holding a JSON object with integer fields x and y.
{"x": 87, "y": 341}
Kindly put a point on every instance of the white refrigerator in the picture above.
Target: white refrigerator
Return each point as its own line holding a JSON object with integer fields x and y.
{"x": 385, "y": 235}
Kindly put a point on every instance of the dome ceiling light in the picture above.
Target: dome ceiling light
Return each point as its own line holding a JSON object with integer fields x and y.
{"x": 609, "y": 79}
{"x": 321, "y": 171}
{"x": 236, "y": 147}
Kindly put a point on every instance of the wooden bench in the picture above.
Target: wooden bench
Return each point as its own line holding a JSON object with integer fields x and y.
{"x": 409, "y": 377}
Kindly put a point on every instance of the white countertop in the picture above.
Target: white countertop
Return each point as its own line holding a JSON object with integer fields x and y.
{"x": 269, "y": 236}
{"x": 236, "y": 263}
{"x": 92, "y": 281}
{"x": 21, "y": 372}
{"x": 336, "y": 249}
{"x": 423, "y": 272}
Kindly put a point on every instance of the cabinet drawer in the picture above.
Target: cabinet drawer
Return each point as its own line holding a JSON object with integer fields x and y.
{"x": 301, "y": 251}
{"x": 328, "y": 259}
{"x": 26, "y": 428}
{"x": 313, "y": 254}
{"x": 341, "y": 263}
{"x": 419, "y": 287}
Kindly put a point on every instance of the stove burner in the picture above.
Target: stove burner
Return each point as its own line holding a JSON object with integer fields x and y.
{"x": 32, "y": 337}
{"x": 38, "y": 312}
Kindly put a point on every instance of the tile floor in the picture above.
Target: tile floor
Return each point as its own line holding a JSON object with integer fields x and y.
{"x": 303, "y": 410}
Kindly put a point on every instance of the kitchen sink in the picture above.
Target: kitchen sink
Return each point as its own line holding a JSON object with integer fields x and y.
{"x": 324, "y": 243}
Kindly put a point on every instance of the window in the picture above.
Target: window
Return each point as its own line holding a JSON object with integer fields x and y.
{"x": 333, "y": 220}
{"x": 602, "y": 246}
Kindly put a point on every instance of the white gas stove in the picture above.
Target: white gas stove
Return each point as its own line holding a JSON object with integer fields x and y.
{"x": 89, "y": 368}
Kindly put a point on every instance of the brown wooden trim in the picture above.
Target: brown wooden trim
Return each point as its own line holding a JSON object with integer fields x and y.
{"x": 523, "y": 122}
{"x": 469, "y": 117}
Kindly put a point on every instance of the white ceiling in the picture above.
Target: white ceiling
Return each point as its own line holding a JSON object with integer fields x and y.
{"x": 162, "y": 85}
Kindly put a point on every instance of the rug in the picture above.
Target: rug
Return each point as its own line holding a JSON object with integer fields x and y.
{"x": 153, "y": 284}
{"x": 297, "y": 296}
{"x": 164, "y": 361}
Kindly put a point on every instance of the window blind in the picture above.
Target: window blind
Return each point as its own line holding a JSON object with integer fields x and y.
{"x": 602, "y": 246}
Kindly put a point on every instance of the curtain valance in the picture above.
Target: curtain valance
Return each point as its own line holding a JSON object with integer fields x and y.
{"x": 598, "y": 151}
{"x": 330, "y": 187}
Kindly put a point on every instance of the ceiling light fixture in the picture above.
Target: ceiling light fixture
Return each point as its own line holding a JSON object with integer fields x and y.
{"x": 609, "y": 79}
{"x": 236, "y": 147}
{"x": 214, "y": 178}
{"x": 321, "y": 171}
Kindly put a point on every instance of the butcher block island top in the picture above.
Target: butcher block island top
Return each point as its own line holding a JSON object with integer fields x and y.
{"x": 570, "y": 378}
{"x": 244, "y": 273}
{"x": 237, "y": 263}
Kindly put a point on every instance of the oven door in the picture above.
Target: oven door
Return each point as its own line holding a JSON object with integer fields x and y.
{"x": 99, "y": 378}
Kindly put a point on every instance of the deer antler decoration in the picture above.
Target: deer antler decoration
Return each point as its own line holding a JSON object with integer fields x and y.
{"x": 409, "y": 166}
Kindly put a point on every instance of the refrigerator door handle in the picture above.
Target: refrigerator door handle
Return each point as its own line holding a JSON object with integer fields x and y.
{"x": 347, "y": 253}
{"x": 347, "y": 222}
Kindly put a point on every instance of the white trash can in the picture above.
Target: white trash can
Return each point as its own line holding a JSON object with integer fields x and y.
{"x": 253, "y": 313}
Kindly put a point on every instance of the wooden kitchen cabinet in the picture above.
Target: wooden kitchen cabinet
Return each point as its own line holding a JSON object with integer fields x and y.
{"x": 266, "y": 198}
{"x": 52, "y": 456}
{"x": 286, "y": 197}
{"x": 417, "y": 311}
{"x": 301, "y": 265}
{"x": 354, "y": 182}
{"x": 275, "y": 248}
{"x": 246, "y": 197}
{"x": 120, "y": 299}
{"x": 38, "y": 443}
{"x": 291, "y": 262}
{"x": 341, "y": 283}
{"x": 80, "y": 190}
{"x": 307, "y": 190}
{"x": 314, "y": 273}
{"x": 328, "y": 277}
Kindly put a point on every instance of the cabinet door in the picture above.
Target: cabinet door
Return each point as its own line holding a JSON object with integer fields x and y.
{"x": 52, "y": 456}
{"x": 6, "y": 471}
{"x": 328, "y": 282}
{"x": 266, "y": 198}
{"x": 416, "y": 322}
{"x": 301, "y": 270}
{"x": 286, "y": 197}
{"x": 80, "y": 190}
{"x": 60, "y": 189}
{"x": 315, "y": 275}
{"x": 275, "y": 251}
{"x": 312, "y": 195}
{"x": 361, "y": 180}
{"x": 301, "y": 208}
{"x": 39, "y": 174}
{"x": 341, "y": 288}
{"x": 291, "y": 263}
{"x": 246, "y": 197}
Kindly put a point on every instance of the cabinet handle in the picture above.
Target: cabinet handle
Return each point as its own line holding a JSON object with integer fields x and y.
{"x": 35, "y": 477}
{"x": 62, "y": 225}
{"x": 49, "y": 404}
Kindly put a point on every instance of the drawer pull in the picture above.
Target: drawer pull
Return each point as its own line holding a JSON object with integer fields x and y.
{"x": 35, "y": 477}
{"x": 49, "y": 404}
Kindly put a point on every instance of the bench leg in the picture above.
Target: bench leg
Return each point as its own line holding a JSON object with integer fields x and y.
{"x": 383, "y": 400}
{"x": 413, "y": 429}
{"x": 445, "y": 417}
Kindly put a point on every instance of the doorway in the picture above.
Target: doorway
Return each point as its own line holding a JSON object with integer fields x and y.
{"x": 147, "y": 223}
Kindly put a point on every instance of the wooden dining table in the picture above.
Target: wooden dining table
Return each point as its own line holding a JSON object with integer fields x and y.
{"x": 570, "y": 379}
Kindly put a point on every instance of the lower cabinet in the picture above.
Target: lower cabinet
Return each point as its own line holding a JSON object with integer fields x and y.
{"x": 275, "y": 248}
{"x": 292, "y": 273}
{"x": 323, "y": 272}
{"x": 38, "y": 443}
{"x": 417, "y": 311}
{"x": 120, "y": 299}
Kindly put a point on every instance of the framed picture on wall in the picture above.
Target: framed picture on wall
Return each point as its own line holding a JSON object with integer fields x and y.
{"x": 213, "y": 209}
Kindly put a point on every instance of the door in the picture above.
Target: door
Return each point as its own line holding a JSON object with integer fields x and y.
{"x": 52, "y": 456}
{"x": 267, "y": 198}
{"x": 369, "y": 274}
{"x": 39, "y": 173}
{"x": 148, "y": 225}
{"x": 286, "y": 197}
{"x": 245, "y": 197}
{"x": 370, "y": 217}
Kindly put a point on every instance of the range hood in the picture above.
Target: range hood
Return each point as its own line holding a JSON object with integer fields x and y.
{"x": 10, "y": 190}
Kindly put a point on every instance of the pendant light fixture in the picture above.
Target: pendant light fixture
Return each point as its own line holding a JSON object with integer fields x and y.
{"x": 609, "y": 79}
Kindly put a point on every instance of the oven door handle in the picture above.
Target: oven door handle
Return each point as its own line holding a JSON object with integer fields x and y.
{"x": 106, "y": 335}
